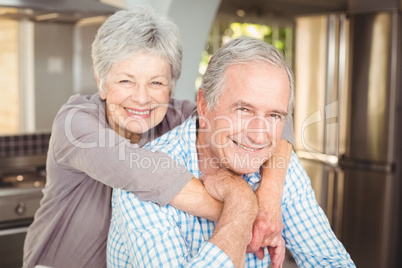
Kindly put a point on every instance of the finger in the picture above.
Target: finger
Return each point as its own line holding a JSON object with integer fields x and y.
{"x": 256, "y": 241}
{"x": 272, "y": 241}
{"x": 277, "y": 254}
{"x": 260, "y": 253}
{"x": 271, "y": 252}
{"x": 277, "y": 259}
{"x": 280, "y": 252}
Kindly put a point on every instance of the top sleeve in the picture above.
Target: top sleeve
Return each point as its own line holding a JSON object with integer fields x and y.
{"x": 185, "y": 107}
{"x": 178, "y": 112}
{"x": 83, "y": 142}
{"x": 287, "y": 133}
{"x": 306, "y": 229}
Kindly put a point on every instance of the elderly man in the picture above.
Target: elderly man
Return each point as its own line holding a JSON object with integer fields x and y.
{"x": 245, "y": 98}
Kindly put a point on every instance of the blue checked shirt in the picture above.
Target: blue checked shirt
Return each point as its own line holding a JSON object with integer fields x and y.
{"x": 143, "y": 234}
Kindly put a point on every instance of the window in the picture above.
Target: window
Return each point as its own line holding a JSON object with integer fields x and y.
{"x": 224, "y": 30}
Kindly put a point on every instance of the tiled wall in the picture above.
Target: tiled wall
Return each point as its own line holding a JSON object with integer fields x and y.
{"x": 24, "y": 145}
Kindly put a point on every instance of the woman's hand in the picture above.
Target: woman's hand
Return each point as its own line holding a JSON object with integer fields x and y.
{"x": 267, "y": 231}
{"x": 268, "y": 225}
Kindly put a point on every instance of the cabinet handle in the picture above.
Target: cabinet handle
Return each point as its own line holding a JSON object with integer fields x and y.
{"x": 20, "y": 209}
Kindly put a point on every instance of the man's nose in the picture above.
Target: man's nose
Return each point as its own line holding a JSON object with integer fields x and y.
{"x": 258, "y": 131}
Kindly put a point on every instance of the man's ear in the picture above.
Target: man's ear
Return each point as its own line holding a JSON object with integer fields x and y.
{"x": 201, "y": 107}
{"x": 101, "y": 93}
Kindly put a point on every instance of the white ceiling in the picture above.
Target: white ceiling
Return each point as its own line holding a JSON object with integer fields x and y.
{"x": 73, "y": 10}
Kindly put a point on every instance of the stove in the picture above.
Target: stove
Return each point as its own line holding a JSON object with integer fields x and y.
{"x": 22, "y": 180}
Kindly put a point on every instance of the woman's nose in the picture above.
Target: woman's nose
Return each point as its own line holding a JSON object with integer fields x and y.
{"x": 141, "y": 95}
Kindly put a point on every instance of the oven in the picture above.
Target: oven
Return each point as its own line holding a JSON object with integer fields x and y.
{"x": 21, "y": 185}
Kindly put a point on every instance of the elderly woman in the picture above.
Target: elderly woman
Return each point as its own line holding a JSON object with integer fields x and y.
{"x": 95, "y": 146}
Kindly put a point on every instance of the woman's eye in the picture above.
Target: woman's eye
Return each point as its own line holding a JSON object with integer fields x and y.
{"x": 156, "y": 83}
{"x": 124, "y": 81}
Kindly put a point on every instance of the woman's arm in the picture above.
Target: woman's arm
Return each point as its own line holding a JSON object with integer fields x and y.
{"x": 268, "y": 225}
{"x": 195, "y": 199}
{"x": 269, "y": 194}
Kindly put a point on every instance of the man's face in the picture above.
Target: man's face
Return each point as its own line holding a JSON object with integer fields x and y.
{"x": 245, "y": 126}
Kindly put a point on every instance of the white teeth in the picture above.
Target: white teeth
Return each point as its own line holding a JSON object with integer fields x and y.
{"x": 246, "y": 148}
{"x": 138, "y": 113}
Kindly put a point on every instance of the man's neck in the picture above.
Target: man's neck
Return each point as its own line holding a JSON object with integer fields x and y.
{"x": 206, "y": 161}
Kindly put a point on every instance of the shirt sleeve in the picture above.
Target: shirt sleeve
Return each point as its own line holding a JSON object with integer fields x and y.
{"x": 145, "y": 235}
{"x": 82, "y": 142}
{"x": 307, "y": 232}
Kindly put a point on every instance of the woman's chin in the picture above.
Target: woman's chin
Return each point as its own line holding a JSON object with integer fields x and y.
{"x": 138, "y": 127}
{"x": 137, "y": 130}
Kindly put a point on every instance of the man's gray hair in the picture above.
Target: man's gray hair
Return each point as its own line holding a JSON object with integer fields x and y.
{"x": 138, "y": 30}
{"x": 243, "y": 50}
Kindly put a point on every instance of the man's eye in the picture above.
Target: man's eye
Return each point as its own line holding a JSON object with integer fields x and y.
{"x": 156, "y": 83}
{"x": 124, "y": 81}
{"x": 241, "y": 109}
{"x": 276, "y": 116}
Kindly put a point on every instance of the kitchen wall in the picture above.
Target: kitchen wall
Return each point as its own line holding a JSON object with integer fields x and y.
{"x": 53, "y": 57}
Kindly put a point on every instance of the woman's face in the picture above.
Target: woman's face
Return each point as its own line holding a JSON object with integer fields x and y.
{"x": 137, "y": 93}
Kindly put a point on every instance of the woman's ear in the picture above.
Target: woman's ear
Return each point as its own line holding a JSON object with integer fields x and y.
{"x": 98, "y": 83}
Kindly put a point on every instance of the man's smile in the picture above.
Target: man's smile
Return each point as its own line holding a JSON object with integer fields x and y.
{"x": 247, "y": 148}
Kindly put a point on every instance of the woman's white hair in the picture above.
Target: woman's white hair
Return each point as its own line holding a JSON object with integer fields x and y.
{"x": 243, "y": 50}
{"x": 138, "y": 30}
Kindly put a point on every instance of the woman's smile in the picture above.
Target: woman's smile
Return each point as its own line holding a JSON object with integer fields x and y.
{"x": 143, "y": 113}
